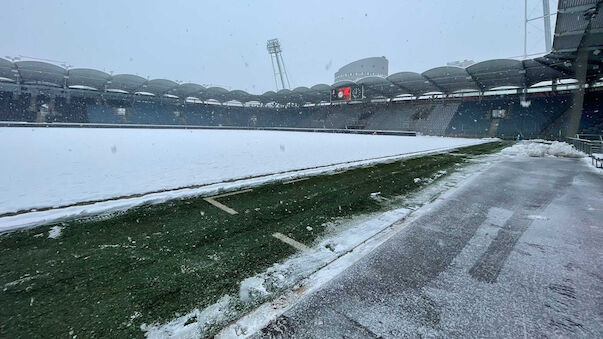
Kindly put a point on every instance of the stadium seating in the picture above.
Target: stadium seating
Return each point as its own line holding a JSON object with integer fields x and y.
{"x": 472, "y": 118}
{"x": 530, "y": 117}
{"x": 15, "y": 110}
{"x": 467, "y": 117}
{"x": 104, "y": 114}
{"x": 397, "y": 117}
{"x": 592, "y": 116}
{"x": 440, "y": 118}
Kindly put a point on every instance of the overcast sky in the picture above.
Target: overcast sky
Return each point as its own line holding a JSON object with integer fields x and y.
{"x": 223, "y": 42}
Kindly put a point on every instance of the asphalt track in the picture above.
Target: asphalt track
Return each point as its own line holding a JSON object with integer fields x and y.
{"x": 516, "y": 252}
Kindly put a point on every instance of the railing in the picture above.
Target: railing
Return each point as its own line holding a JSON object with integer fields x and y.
{"x": 587, "y": 143}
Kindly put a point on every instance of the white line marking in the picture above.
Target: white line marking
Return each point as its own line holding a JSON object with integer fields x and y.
{"x": 221, "y": 206}
{"x": 212, "y": 200}
{"x": 295, "y": 180}
{"x": 230, "y": 193}
{"x": 298, "y": 245}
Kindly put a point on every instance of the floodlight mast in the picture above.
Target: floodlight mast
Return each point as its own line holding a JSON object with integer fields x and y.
{"x": 546, "y": 18}
{"x": 274, "y": 49}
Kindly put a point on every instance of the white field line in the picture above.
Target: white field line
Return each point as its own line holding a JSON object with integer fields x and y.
{"x": 298, "y": 245}
{"x": 230, "y": 193}
{"x": 296, "y": 180}
{"x": 221, "y": 206}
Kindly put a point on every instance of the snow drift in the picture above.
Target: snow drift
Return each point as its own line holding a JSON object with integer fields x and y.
{"x": 542, "y": 148}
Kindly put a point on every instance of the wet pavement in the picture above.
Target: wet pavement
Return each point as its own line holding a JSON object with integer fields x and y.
{"x": 516, "y": 252}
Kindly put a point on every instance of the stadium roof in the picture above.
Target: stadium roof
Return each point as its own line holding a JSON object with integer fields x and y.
{"x": 579, "y": 27}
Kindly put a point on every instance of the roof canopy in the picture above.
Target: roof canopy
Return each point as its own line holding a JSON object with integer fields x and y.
{"x": 498, "y": 73}
{"x": 187, "y": 90}
{"x": 482, "y": 76}
{"x": 8, "y": 72}
{"x": 36, "y": 72}
{"x": 128, "y": 83}
{"x": 159, "y": 87}
{"x": 88, "y": 78}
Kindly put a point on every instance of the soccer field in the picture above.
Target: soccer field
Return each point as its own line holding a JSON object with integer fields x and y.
{"x": 68, "y": 166}
{"x": 119, "y": 275}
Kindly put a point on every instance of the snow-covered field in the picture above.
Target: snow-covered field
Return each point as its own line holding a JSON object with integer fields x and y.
{"x": 47, "y": 167}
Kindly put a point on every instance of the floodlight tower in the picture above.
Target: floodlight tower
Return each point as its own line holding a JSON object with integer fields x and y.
{"x": 546, "y": 16}
{"x": 275, "y": 51}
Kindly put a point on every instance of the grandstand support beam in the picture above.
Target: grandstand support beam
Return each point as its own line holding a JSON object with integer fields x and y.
{"x": 575, "y": 110}
{"x": 33, "y": 101}
{"x": 481, "y": 86}
{"x": 580, "y": 67}
{"x": 51, "y": 104}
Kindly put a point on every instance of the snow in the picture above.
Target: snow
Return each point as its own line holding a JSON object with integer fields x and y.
{"x": 345, "y": 242}
{"x": 55, "y": 232}
{"x": 252, "y": 288}
{"x": 65, "y": 166}
{"x": 542, "y": 148}
{"x": 193, "y": 324}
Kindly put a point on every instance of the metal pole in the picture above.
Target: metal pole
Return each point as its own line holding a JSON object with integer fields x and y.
{"x": 525, "y": 29}
{"x": 274, "y": 72}
{"x": 285, "y": 70}
{"x": 280, "y": 71}
{"x": 546, "y": 12}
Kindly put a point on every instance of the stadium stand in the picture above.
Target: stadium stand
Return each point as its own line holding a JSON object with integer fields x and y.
{"x": 441, "y": 118}
{"x": 104, "y": 114}
{"x": 394, "y": 117}
{"x": 472, "y": 118}
{"x": 12, "y": 109}
{"x": 592, "y": 115}
{"x": 467, "y": 117}
{"x": 500, "y": 97}
{"x": 529, "y": 118}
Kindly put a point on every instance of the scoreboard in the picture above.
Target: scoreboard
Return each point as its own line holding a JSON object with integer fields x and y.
{"x": 347, "y": 93}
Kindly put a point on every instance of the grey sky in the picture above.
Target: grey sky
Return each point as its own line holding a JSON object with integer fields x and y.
{"x": 223, "y": 42}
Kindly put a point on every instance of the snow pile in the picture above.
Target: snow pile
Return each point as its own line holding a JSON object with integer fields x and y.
{"x": 55, "y": 232}
{"x": 542, "y": 148}
{"x": 193, "y": 325}
{"x": 252, "y": 289}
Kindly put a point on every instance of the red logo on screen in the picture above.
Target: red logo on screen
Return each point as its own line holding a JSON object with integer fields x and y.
{"x": 344, "y": 93}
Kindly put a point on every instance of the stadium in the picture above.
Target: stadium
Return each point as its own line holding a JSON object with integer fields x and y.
{"x": 493, "y": 98}
{"x": 453, "y": 202}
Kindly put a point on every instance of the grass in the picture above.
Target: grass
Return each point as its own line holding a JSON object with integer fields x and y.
{"x": 105, "y": 276}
